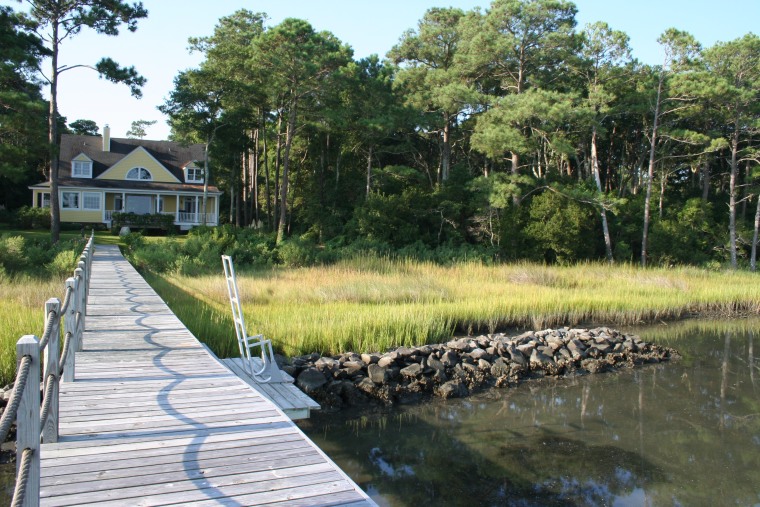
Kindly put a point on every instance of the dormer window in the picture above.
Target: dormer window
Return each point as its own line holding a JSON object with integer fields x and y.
{"x": 81, "y": 169}
{"x": 193, "y": 174}
{"x": 139, "y": 173}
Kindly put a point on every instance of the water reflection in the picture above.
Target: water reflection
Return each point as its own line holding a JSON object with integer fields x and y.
{"x": 686, "y": 433}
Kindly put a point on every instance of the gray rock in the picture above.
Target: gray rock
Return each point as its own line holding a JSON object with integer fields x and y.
{"x": 352, "y": 367}
{"x": 413, "y": 370}
{"x": 526, "y": 348}
{"x": 478, "y": 354}
{"x": 539, "y": 358}
{"x": 435, "y": 364}
{"x": 311, "y": 380}
{"x": 516, "y": 356}
{"x": 453, "y": 389}
{"x": 404, "y": 352}
{"x": 500, "y": 368}
{"x": 385, "y": 361}
{"x": 484, "y": 365}
{"x": 460, "y": 345}
{"x": 370, "y": 358}
{"x": 377, "y": 374}
{"x": 450, "y": 358}
{"x": 366, "y": 385}
{"x": 327, "y": 363}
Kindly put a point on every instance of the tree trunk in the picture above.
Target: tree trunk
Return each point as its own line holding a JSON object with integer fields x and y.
{"x": 206, "y": 176}
{"x": 255, "y": 199}
{"x": 267, "y": 186}
{"x": 732, "y": 196}
{"x": 245, "y": 169}
{"x": 55, "y": 208}
{"x": 705, "y": 181}
{"x": 289, "y": 134}
{"x": 446, "y": 152}
{"x": 603, "y": 212}
{"x": 515, "y": 162}
{"x": 648, "y": 198}
{"x": 369, "y": 171}
{"x": 277, "y": 162}
{"x": 663, "y": 184}
{"x": 753, "y": 256}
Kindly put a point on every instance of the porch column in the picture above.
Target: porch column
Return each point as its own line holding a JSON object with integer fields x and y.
{"x": 216, "y": 209}
{"x": 176, "y": 213}
{"x": 123, "y": 201}
{"x": 197, "y": 217}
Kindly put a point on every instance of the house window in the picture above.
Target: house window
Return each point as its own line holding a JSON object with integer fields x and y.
{"x": 81, "y": 169}
{"x": 139, "y": 173}
{"x": 118, "y": 203}
{"x": 70, "y": 200}
{"x": 193, "y": 175}
{"x": 44, "y": 200}
{"x": 91, "y": 200}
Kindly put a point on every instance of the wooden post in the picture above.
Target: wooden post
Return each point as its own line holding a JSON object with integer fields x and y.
{"x": 81, "y": 276}
{"x": 70, "y": 326}
{"x": 51, "y": 357}
{"x": 28, "y": 419}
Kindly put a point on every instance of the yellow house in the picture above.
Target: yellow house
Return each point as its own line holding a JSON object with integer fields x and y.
{"x": 100, "y": 175}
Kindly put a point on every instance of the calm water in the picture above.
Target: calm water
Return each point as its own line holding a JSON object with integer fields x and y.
{"x": 685, "y": 433}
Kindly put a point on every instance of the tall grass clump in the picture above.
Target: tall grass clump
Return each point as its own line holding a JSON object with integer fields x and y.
{"x": 32, "y": 270}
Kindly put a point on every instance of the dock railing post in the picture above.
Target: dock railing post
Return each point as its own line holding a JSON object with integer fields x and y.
{"x": 70, "y": 331}
{"x": 51, "y": 373}
{"x": 28, "y": 422}
{"x": 81, "y": 277}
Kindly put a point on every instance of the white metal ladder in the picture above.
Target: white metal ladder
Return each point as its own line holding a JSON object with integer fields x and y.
{"x": 267, "y": 371}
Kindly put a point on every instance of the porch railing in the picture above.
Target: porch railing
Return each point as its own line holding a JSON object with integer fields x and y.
{"x": 179, "y": 218}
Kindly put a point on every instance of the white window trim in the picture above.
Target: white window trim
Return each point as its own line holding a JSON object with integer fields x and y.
{"x": 45, "y": 199}
{"x": 87, "y": 165}
{"x": 79, "y": 200}
{"x": 138, "y": 173}
{"x": 196, "y": 170}
{"x": 90, "y": 194}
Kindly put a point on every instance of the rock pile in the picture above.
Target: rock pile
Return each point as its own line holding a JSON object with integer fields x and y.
{"x": 458, "y": 367}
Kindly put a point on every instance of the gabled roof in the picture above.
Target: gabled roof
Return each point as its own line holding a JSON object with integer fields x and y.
{"x": 172, "y": 155}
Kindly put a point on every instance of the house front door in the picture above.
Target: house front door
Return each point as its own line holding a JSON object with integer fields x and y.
{"x": 139, "y": 204}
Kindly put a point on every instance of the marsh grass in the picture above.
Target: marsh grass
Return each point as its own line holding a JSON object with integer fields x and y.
{"x": 372, "y": 304}
{"x": 22, "y": 312}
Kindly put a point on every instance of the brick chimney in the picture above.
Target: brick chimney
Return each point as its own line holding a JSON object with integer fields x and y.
{"x": 106, "y": 138}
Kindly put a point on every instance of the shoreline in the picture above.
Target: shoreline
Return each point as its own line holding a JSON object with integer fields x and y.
{"x": 464, "y": 366}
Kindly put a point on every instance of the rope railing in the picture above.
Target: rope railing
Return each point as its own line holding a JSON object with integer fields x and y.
{"x": 37, "y": 420}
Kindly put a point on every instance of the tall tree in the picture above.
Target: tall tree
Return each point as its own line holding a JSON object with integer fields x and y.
{"x": 604, "y": 51}
{"x": 734, "y": 92}
{"x": 139, "y": 128}
{"x": 58, "y": 20}
{"x": 431, "y": 79}
{"x": 22, "y": 110}
{"x": 679, "y": 49}
{"x": 520, "y": 45}
{"x": 195, "y": 112}
{"x": 300, "y": 62}
{"x": 84, "y": 127}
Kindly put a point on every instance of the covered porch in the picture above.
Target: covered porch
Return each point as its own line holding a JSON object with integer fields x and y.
{"x": 186, "y": 208}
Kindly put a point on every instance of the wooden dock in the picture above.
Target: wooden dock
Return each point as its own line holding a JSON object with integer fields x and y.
{"x": 153, "y": 419}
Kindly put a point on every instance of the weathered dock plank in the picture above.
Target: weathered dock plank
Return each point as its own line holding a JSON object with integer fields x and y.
{"x": 153, "y": 419}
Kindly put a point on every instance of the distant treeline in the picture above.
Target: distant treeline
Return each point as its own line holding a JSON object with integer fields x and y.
{"x": 509, "y": 131}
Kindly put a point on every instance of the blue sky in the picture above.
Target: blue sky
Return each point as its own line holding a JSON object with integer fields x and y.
{"x": 158, "y": 49}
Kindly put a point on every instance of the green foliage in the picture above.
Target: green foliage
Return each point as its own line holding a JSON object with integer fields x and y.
{"x": 690, "y": 236}
{"x": 561, "y": 229}
{"x": 296, "y": 253}
{"x": 84, "y": 128}
{"x": 38, "y": 257}
{"x": 32, "y": 218}
{"x": 163, "y": 221}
